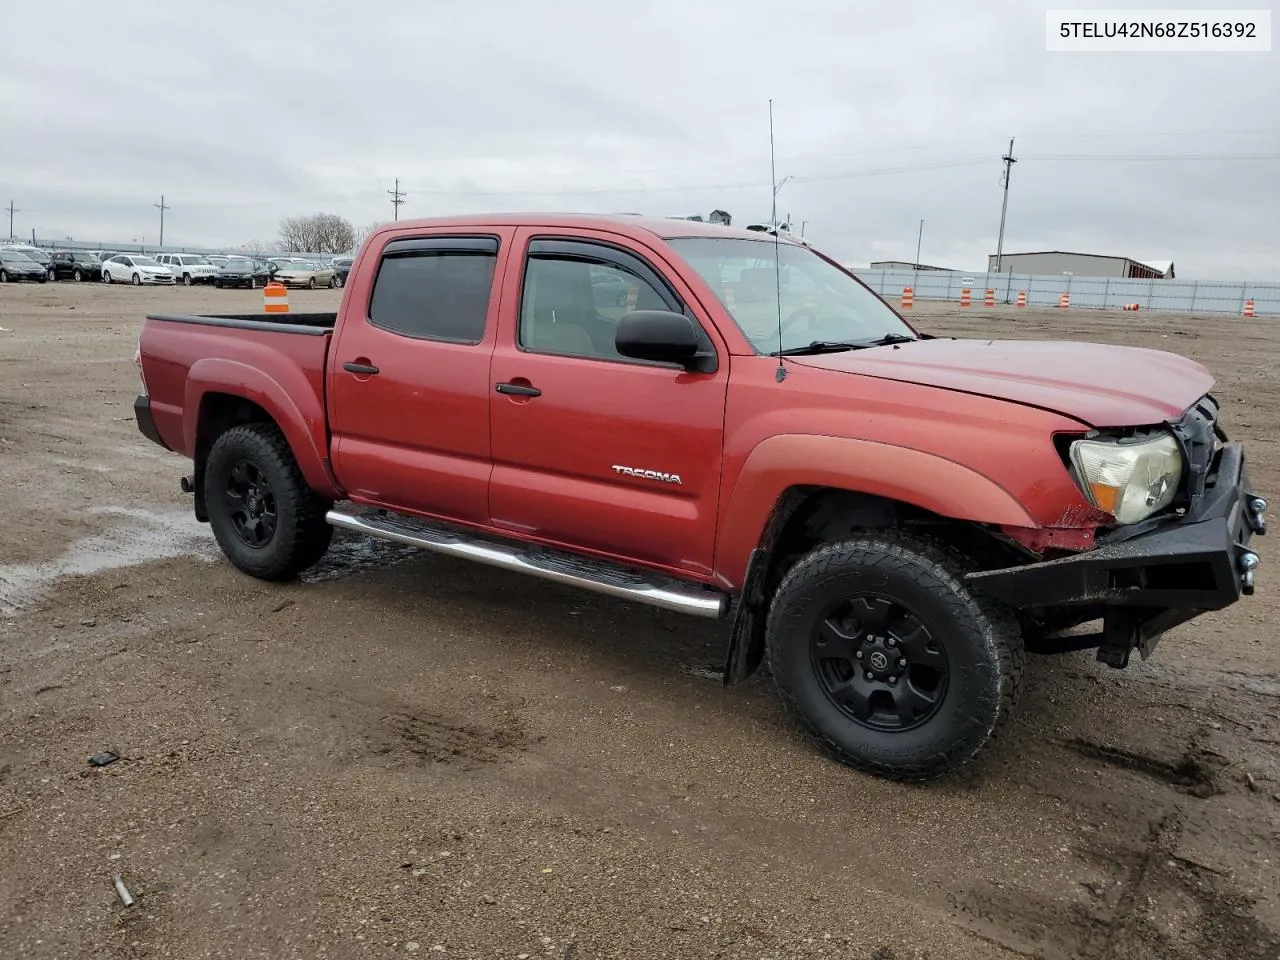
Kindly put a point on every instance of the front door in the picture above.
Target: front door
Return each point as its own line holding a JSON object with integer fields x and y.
{"x": 592, "y": 449}
{"x": 409, "y": 378}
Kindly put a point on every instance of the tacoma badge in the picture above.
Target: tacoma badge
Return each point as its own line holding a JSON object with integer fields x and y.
{"x": 648, "y": 474}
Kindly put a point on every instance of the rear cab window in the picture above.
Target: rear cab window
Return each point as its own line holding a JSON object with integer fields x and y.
{"x": 435, "y": 288}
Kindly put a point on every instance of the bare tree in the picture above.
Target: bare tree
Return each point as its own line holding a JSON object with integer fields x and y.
{"x": 319, "y": 233}
{"x": 361, "y": 235}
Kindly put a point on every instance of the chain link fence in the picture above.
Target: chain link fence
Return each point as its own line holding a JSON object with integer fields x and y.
{"x": 1109, "y": 293}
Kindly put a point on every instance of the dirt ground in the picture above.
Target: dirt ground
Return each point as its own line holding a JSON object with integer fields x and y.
{"x": 406, "y": 754}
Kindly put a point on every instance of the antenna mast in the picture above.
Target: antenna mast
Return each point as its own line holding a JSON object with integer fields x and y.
{"x": 777, "y": 250}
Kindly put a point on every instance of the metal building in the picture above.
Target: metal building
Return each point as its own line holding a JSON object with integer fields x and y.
{"x": 1049, "y": 262}
{"x": 905, "y": 265}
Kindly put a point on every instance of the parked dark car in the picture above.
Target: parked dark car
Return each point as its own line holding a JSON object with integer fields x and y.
{"x": 342, "y": 267}
{"x": 243, "y": 272}
{"x": 75, "y": 265}
{"x": 18, "y": 266}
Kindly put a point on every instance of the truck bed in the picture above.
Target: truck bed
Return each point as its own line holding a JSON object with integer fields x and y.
{"x": 274, "y": 361}
{"x": 304, "y": 323}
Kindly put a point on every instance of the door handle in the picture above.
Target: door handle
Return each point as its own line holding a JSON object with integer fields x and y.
{"x": 518, "y": 390}
{"x": 365, "y": 368}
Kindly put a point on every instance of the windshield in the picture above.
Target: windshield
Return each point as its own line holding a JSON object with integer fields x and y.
{"x": 144, "y": 262}
{"x": 819, "y": 301}
{"x": 195, "y": 262}
{"x": 238, "y": 263}
{"x": 13, "y": 256}
{"x": 300, "y": 265}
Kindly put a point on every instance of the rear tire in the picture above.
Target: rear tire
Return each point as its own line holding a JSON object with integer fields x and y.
{"x": 267, "y": 521}
{"x": 4, "y": 276}
{"x": 886, "y": 658}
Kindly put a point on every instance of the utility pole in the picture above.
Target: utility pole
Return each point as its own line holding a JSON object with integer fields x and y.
{"x": 773, "y": 215}
{"x": 397, "y": 198}
{"x": 919, "y": 240}
{"x": 162, "y": 208}
{"x": 1009, "y": 161}
{"x": 12, "y": 210}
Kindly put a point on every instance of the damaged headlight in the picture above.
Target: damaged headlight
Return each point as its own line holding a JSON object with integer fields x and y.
{"x": 1129, "y": 478}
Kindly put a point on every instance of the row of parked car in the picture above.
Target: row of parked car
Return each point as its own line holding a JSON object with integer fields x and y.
{"x": 22, "y": 262}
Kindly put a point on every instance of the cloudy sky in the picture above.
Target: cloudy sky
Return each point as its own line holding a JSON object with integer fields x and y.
{"x": 242, "y": 113}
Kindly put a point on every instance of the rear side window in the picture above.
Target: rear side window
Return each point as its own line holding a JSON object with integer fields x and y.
{"x": 435, "y": 288}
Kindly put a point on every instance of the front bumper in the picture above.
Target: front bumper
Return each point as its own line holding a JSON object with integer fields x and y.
{"x": 1145, "y": 582}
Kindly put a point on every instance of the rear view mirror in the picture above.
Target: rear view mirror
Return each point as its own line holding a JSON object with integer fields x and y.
{"x": 664, "y": 337}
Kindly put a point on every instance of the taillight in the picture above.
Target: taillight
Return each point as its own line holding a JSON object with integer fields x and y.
{"x": 137, "y": 362}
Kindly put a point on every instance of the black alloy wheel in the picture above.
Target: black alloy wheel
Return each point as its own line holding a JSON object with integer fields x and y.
{"x": 879, "y": 663}
{"x": 251, "y": 504}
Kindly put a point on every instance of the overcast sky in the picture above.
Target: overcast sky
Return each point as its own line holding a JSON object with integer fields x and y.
{"x": 242, "y": 113}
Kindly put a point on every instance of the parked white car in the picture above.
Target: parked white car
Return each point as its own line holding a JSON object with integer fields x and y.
{"x": 188, "y": 268}
{"x": 135, "y": 269}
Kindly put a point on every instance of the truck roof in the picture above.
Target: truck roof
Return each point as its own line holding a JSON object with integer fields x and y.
{"x": 626, "y": 224}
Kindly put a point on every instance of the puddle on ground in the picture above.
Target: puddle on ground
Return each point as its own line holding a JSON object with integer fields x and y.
{"x": 134, "y": 537}
{"x": 351, "y": 553}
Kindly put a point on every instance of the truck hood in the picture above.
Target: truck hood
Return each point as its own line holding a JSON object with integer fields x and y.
{"x": 1099, "y": 384}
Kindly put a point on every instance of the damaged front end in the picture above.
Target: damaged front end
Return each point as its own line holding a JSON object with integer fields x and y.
{"x": 1144, "y": 577}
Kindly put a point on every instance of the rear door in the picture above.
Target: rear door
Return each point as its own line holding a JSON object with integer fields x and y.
{"x": 409, "y": 376}
{"x": 592, "y": 449}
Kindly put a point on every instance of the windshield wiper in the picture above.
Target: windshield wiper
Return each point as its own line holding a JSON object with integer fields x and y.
{"x": 817, "y": 346}
{"x": 839, "y": 346}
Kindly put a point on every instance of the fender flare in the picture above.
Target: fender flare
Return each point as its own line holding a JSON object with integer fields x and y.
{"x": 785, "y": 461}
{"x": 294, "y": 406}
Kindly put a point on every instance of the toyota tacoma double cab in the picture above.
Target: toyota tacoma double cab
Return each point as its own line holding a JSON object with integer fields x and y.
{"x": 733, "y": 426}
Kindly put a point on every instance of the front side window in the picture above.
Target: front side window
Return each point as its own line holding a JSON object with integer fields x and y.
{"x": 765, "y": 286}
{"x": 431, "y": 290}
{"x": 574, "y": 294}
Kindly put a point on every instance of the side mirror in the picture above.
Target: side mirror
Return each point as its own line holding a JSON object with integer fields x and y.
{"x": 664, "y": 337}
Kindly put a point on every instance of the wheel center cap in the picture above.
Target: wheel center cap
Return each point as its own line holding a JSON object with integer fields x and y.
{"x": 878, "y": 660}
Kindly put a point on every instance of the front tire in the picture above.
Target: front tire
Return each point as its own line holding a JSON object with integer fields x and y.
{"x": 886, "y": 658}
{"x": 77, "y": 276}
{"x": 266, "y": 519}
{"x": 186, "y": 279}
{"x": 137, "y": 280}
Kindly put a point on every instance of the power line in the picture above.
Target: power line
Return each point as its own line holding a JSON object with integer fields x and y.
{"x": 397, "y": 198}
{"x": 162, "y": 207}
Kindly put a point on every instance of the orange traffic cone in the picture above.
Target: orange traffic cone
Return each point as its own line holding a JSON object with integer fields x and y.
{"x": 1022, "y": 298}
{"x": 1248, "y": 309}
{"x": 908, "y": 298}
{"x": 1064, "y": 301}
{"x": 964, "y": 297}
{"x": 990, "y": 299}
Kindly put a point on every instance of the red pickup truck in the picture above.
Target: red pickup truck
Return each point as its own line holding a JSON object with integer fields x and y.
{"x": 733, "y": 426}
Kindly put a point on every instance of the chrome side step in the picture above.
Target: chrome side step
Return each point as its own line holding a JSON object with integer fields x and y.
{"x": 557, "y": 565}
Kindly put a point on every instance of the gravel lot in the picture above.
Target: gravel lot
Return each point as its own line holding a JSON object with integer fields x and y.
{"x": 405, "y": 754}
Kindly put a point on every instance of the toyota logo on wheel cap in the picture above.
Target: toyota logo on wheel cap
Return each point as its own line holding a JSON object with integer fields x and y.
{"x": 879, "y": 661}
